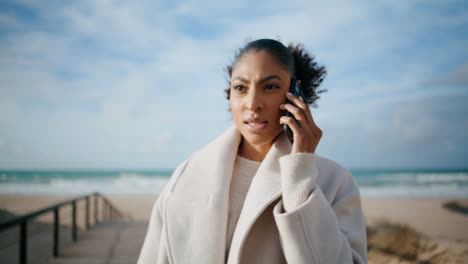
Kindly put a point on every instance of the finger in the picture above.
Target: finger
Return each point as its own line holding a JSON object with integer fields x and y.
{"x": 310, "y": 117}
{"x": 295, "y": 99}
{"x": 299, "y": 102}
{"x": 292, "y": 124}
{"x": 295, "y": 111}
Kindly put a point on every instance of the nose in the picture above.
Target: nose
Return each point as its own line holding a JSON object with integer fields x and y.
{"x": 254, "y": 101}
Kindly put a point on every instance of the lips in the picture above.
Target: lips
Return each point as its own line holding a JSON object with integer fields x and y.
{"x": 256, "y": 125}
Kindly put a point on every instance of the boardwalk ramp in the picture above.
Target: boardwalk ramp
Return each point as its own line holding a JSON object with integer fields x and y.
{"x": 116, "y": 242}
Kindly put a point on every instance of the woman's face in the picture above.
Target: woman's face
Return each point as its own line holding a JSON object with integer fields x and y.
{"x": 258, "y": 87}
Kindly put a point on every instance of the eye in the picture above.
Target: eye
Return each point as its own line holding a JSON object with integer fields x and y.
{"x": 271, "y": 87}
{"x": 238, "y": 88}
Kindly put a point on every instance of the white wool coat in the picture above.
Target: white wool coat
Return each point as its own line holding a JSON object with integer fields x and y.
{"x": 189, "y": 219}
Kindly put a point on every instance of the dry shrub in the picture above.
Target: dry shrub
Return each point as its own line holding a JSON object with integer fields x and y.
{"x": 400, "y": 243}
{"x": 395, "y": 239}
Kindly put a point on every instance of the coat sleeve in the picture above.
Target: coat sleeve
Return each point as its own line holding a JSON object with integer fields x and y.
{"x": 312, "y": 229}
{"x": 151, "y": 246}
{"x": 153, "y": 250}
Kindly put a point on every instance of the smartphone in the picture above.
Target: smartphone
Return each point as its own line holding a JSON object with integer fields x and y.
{"x": 296, "y": 90}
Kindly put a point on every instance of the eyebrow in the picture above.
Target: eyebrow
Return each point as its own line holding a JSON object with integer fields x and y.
{"x": 266, "y": 79}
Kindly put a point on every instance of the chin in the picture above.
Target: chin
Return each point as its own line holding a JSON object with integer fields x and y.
{"x": 260, "y": 139}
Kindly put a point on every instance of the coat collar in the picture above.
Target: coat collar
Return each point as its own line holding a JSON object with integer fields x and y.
{"x": 264, "y": 189}
{"x": 198, "y": 205}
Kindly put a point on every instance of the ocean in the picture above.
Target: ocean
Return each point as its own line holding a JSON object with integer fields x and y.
{"x": 372, "y": 183}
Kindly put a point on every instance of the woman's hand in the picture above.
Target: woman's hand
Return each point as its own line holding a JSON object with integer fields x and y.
{"x": 306, "y": 137}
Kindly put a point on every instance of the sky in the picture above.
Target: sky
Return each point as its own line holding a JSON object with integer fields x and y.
{"x": 103, "y": 84}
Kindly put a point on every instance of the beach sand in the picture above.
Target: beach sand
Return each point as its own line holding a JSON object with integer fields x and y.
{"x": 137, "y": 206}
{"x": 402, "y": 230}
{"x": 427, "y": 216}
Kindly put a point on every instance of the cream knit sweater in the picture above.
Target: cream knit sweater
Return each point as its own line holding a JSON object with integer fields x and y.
{"x": 295, "y": 191}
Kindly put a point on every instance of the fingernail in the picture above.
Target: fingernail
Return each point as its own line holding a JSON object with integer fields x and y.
{"x": 281, "y": 105}
{"x": 300, "y": 97}
{"x": 290, "y": 94}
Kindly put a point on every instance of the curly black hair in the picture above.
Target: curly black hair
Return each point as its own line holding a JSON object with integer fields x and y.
{"x": 295, "y": 59}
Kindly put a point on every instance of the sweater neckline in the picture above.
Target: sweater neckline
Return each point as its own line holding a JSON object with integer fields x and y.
{"x": 247, "y": 161}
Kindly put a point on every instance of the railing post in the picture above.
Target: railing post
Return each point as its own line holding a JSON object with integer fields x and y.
{"x": 87, "y": 212}
{"x": 23, "y": 249}
{"x": 110, "y": 210}
{"x": 95, "y": 208}
{"x": 74, "y": 221}
{"x": 106, "y": 210}
{"x": 56, "y": 231}
{"x": 103, "y": 209}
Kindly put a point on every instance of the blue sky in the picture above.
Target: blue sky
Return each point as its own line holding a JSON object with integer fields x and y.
{"x": 139, "y": 84}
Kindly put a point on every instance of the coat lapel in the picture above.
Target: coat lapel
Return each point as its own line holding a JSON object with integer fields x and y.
{"x": 264, "y": 189}
{"x": 197, "y": 207}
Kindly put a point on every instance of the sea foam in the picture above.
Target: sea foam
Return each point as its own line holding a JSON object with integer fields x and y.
{"x": 122, "y": 183}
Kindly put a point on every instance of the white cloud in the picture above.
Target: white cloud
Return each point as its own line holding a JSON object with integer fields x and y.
{"x": 417, "y": 132}
{"x": 457, "y": 77}
{"x": 8, "y": 111}
{"x": 9, "y": 22}
{"x": 18, "y": 148}
{"x": 99, "y": 77}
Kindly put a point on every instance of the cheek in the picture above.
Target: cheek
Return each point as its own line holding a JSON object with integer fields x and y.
{"x": 236, "y": 109}
{"x": 275, "y": 105}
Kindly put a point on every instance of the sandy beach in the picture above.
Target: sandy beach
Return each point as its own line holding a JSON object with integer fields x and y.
{"x": 136, "y": 206}
{"x": 427, "y": 216}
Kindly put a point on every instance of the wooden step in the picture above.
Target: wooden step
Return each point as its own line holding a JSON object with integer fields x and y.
{"x": 112, "y": 242}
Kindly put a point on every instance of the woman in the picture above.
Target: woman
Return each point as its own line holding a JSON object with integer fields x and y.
{"x": 252, "y": 196}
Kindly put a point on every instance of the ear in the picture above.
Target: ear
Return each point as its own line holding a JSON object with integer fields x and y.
{"x": 299, "y": 81}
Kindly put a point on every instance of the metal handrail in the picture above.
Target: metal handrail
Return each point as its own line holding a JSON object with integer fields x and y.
{"x": 108, "y": 212}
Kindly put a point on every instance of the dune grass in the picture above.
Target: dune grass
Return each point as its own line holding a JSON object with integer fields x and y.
{"x": 390, "y": 242}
